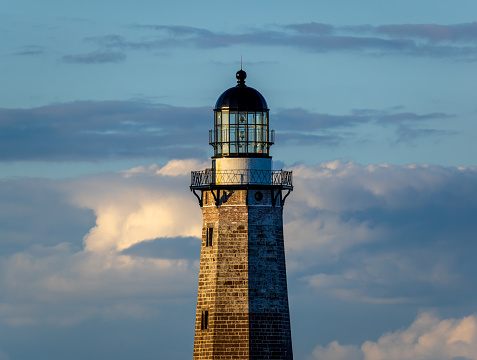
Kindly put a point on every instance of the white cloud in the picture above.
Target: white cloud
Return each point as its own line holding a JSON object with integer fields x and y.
{"x": 339, "y": 186}
{"x": 172, "y": 168}
{"x": 182, "y": 167}
{"x": 143, "y": 204}
{"x": 428, "y": 338}
{"x": 64, "y": 285}
{"x": 335, "y": 351}
{"x": 382, "y": 234}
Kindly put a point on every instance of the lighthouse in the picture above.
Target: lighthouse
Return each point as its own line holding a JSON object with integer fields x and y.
{"x": 242, "y": 301}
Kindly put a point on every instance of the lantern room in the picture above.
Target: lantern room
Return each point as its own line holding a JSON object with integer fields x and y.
{"x": 241, "y": 126}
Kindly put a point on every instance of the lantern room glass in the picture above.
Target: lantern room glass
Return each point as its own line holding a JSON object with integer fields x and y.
{"x": 241, "y": 132}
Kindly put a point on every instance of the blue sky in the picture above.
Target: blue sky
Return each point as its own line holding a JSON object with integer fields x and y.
{"x": 105, "y": 108}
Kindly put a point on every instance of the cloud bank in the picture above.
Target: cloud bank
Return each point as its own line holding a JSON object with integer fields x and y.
{"x": 98, "y": 57}
{"x": 111, "y": 130}
{"x": 457, "y": 41}
{"x": 383, "y": 233}
{"x": 428, "y": 338}
{"x": 91, "y": 131}
{"x": 56, "y": 279}
{"x": 396, "y": 238}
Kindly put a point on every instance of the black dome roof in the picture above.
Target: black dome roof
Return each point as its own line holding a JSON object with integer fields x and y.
{"x": 241, "y": 97}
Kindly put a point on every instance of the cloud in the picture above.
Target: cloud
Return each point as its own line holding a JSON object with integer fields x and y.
{"x": 433, "y": 33}
{"x": 383, "y": 238}
{"x": 181, "y": 167}
{"x": 434, "y": 40}
{"x": 63, "y": 281}
{"x": 169, "y": 247}
{"x": 424, "y": 40}
{"x": 312, "y": 28}
{"x": 299, "y": 119}
{"x": 109, "y": 130}
{"x": 34, "y": 211}
{"x": 98, "y": 57}
{"x": 335, "y": 351}
{"x": 302, "y": 127}
{"x": 383, "y": 233}
{"x": 92, "y": 131}
{"x": 303, "y": 120}
{"x": 154, "y": 206}
{"x": 30, "y": 50}
{"x": 428, "y": 338}
{"x": 406, "y": 134}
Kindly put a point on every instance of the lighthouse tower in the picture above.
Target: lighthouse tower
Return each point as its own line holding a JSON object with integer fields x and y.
{"x": 242, "y": 301}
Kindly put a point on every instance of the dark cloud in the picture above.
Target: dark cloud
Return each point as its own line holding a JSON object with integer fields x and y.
{"x": 102, "y": 130}
{"x": 107, "y": 40}
{"x": 30, "y": 50}
{"x": 303, "y": 120}
{"x": 98, "y": 57}
{"x": 168, "y": 248}
{"x": 428, "y": 40}
{"x": 300, "y": 126}
{"x": 34, "y": 211}
{"x": 312, "y": 28}
{"x": 92, "y": 131}
{"x": 407, "y": 134}
{"x": 179, "y": 31}
{"x": 410, "y": 117}
{"x": 297, "y": 139}
{"x": 433, "y": 33}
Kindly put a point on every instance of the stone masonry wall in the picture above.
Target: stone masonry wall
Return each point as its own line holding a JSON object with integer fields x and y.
{"x": 242, "y": 280}
{"x": 269, "y": 319}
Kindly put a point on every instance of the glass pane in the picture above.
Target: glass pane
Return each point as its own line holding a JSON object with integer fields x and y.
{"x": 242, "y": 118}
{"x": 218, "y": 117}
{"x": 233, "y": 134}
{"x": 259, "y": 118}
{"x": 242, "y": 148}
{"x": 225, "y": 133}
{"x": 225, "y": 148}
{"x": 259, "y": 133}
{"x": 251, "y": 134}
{"x": 242, "y": 134}
{"x": 233, "y": 148}
{"x": 265, "y": 118}
{"x": 251, "y": 118}
{"x": 225, "y": 118}
{"x": 233, "y": 118}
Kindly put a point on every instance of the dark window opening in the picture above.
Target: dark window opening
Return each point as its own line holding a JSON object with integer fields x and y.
{"x": 204, "y": 321}
{"x": 210, "y": 234}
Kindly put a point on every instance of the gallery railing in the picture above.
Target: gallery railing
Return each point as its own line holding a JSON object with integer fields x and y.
{"x": 210, "y": 177}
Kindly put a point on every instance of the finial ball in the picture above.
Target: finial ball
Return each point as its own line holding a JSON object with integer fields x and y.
{"x": 241, "y": 76}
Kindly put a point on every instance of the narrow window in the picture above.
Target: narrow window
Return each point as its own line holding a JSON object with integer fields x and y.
{"x": 210, "y": 234}
{"x": 204, "y": 321}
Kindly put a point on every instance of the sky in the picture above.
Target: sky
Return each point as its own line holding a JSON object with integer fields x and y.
{"x": 105, "y": 108}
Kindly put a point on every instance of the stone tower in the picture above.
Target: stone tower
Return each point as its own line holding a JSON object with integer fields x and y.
{"x": 242, "y": 301}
